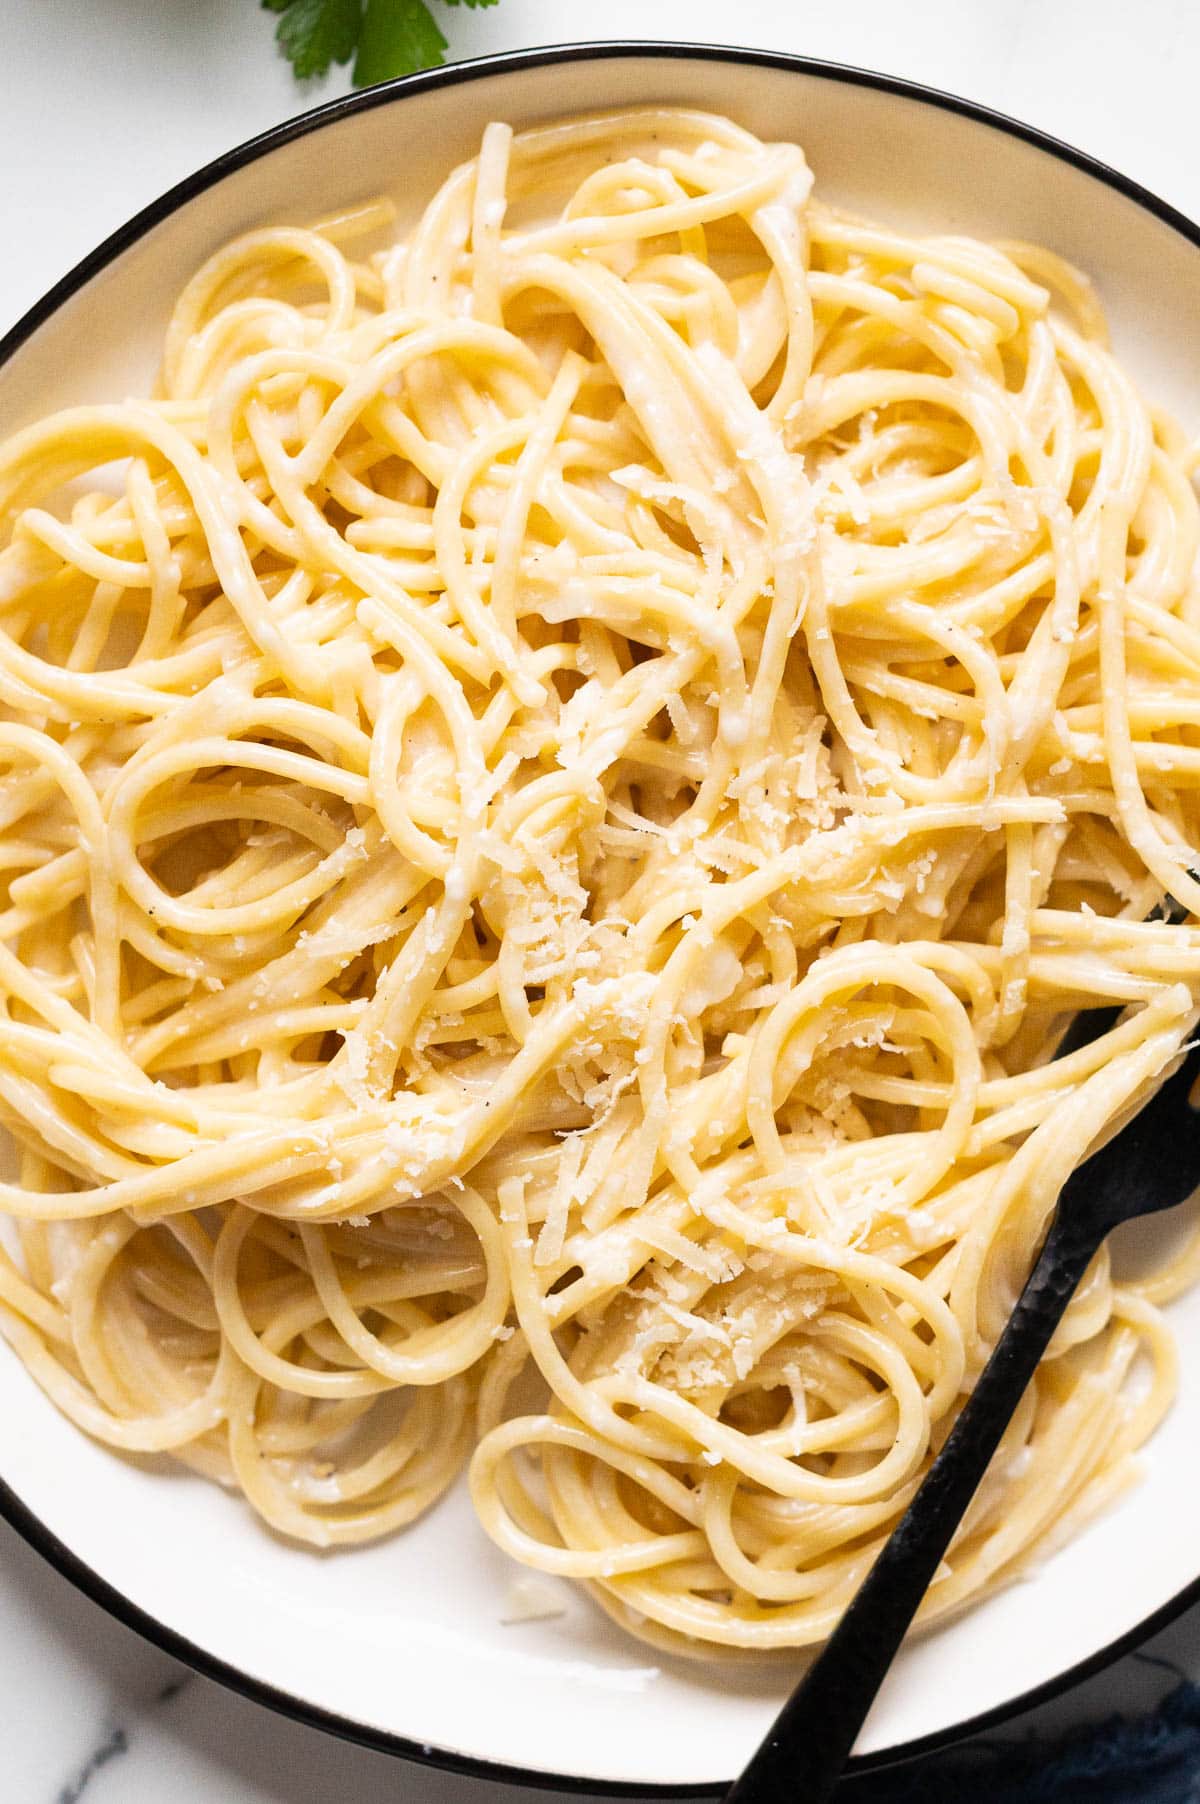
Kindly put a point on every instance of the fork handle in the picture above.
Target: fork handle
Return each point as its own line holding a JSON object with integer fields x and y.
{"x": 811, "y": 1738}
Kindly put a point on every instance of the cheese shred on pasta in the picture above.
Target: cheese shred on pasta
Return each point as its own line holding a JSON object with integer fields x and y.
{"x": 562, "y": 780}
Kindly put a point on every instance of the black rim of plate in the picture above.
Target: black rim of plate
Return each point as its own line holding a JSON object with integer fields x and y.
{"x": 12, "y": 1509}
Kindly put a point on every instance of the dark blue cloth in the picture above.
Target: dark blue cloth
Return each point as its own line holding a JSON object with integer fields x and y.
{"x": 1152, "y": 1759}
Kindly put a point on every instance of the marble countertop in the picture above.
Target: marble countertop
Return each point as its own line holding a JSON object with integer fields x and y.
{"x": 107, "y": 104}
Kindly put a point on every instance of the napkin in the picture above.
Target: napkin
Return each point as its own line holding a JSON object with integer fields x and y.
{"x": 1150, "y": 1759}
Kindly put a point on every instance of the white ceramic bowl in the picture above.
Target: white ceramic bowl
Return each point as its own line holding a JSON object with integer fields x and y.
{"x": 402, "y": 1644}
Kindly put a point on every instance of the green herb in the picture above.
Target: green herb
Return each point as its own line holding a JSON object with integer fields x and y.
{"x": 385, "y": 37}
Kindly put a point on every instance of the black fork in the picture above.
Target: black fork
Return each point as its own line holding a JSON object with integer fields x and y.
{"x": 1152, "y": 1164}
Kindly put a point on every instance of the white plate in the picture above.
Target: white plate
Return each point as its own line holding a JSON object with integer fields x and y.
{"x": 402, "y": 1644}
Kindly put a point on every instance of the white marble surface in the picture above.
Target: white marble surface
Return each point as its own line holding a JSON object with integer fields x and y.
{"x": 103, "y": 106}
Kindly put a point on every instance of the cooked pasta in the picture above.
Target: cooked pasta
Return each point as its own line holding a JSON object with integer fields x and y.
{"x": 563, "y": 778}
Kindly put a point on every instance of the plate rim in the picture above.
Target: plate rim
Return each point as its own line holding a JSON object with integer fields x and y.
{"x": 13, "y": 1510}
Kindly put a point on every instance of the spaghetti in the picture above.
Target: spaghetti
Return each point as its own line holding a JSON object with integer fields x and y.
{"x": 562, "y": 781}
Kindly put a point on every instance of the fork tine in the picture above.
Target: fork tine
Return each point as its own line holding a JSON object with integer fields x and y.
{"x": 1152, "y": 1164}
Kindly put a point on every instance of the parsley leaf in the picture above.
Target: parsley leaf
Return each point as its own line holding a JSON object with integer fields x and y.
{"x": 385, "y": 37}
{"x": 397, "y": 37}
{"x": 315, "y": 33}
